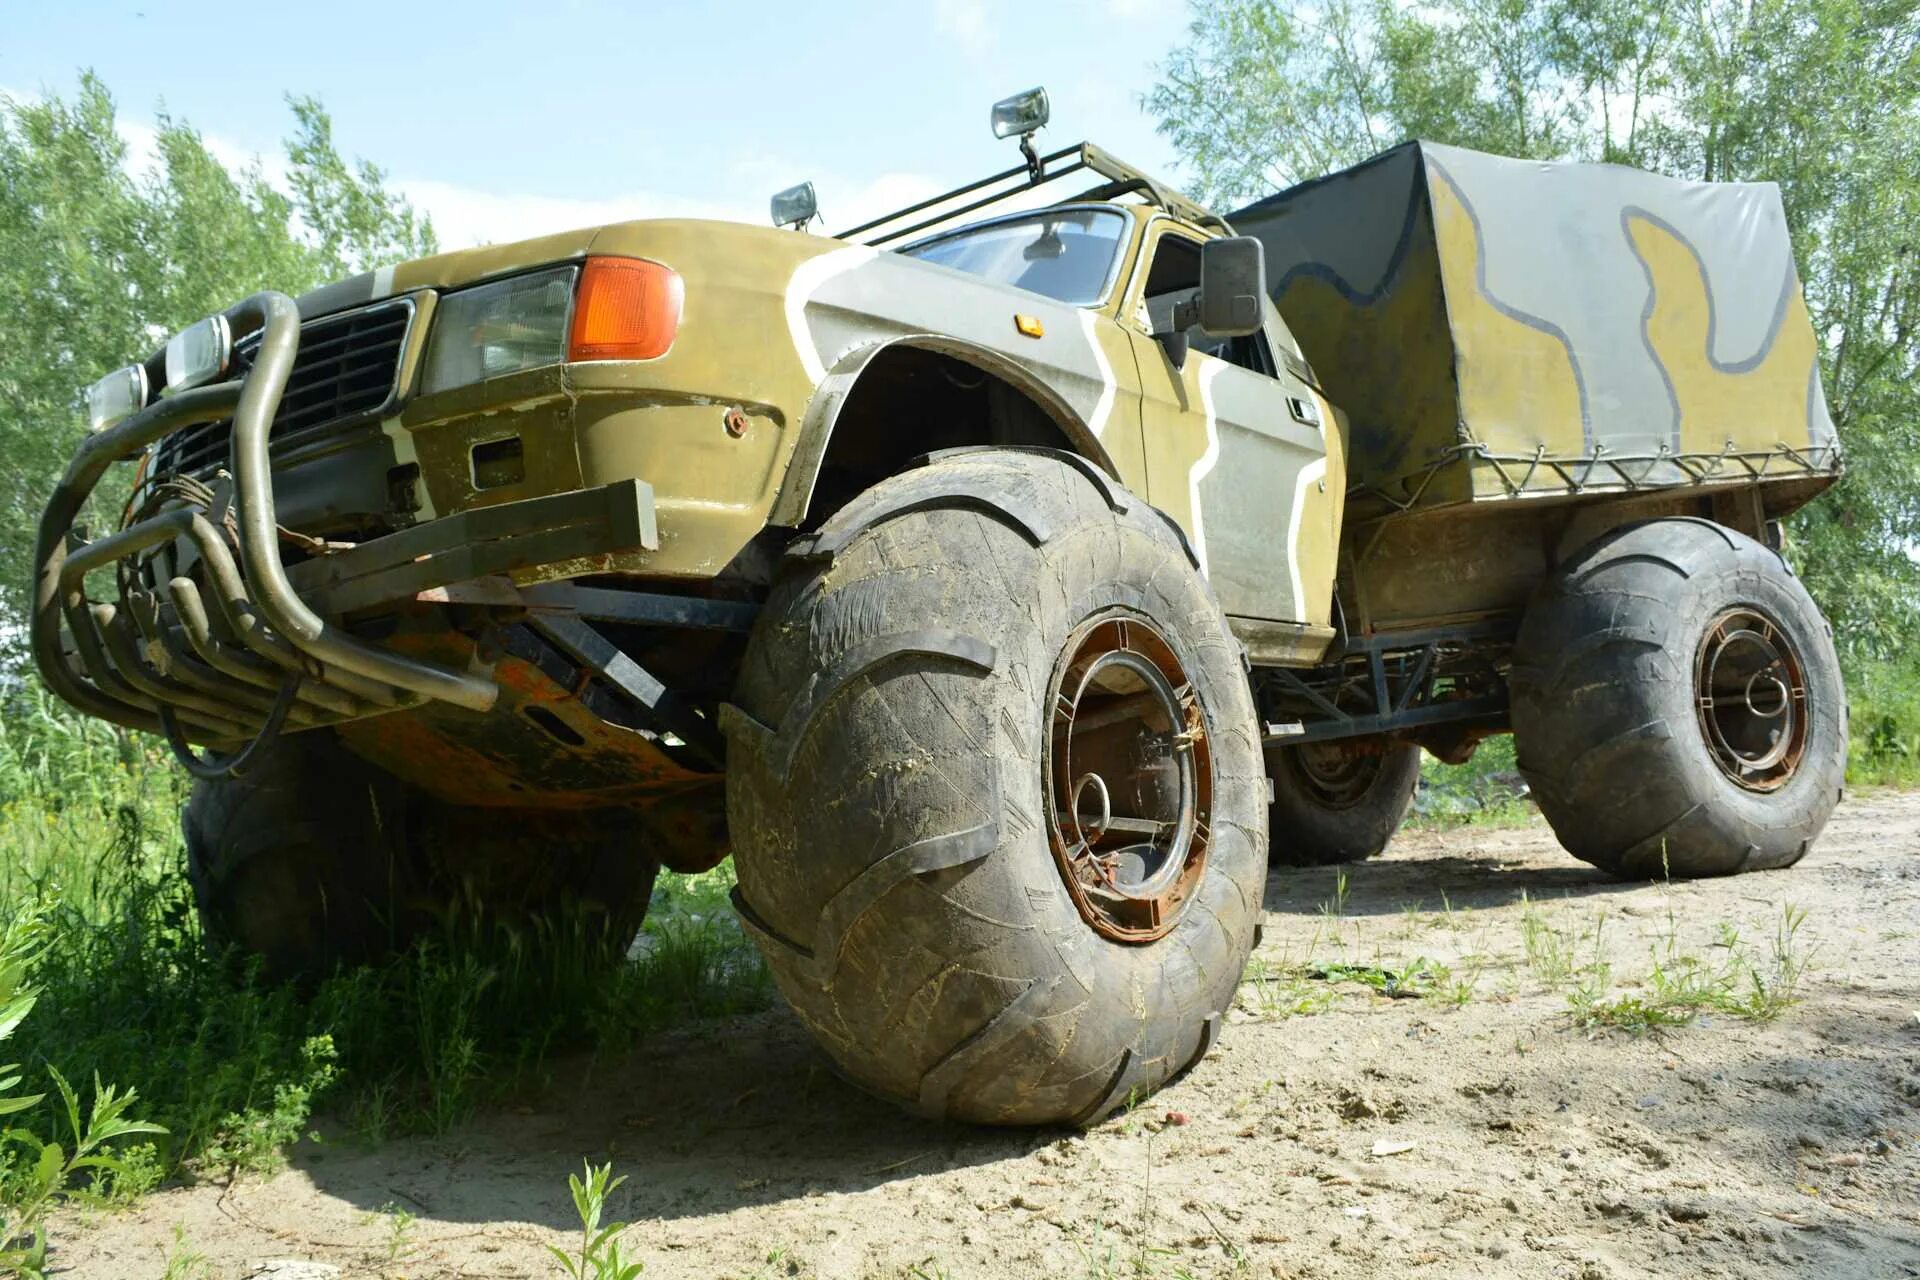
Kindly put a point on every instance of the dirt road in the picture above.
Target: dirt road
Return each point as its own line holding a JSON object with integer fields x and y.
{"x": 1464, "y": 1122}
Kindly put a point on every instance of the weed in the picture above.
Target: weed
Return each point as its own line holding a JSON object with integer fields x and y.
{"x": 37, "y": 1172}
{"x": 1763, "y": 995}
{"x": 399, "y": 1244}
{"x": 1284, "y": 991}
{"x": 252, "y": 1140}
{"x": 599, "y": 1255}
{"x": 1334, "y": 910}
{"x": 233, "y": 1068}
{"x": 1681, "y": 985}
{"x": 1550, "y": 949}
{"x": 184, "y": 1262}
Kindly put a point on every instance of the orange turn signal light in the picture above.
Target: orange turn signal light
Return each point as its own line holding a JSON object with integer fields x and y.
{"x": 627, "y": 309}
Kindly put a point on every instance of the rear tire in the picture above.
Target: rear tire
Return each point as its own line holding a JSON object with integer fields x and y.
{"x": 893, "y": 776}
{"x": 1338, "y": 801}
{"x": 1677, "y": 704}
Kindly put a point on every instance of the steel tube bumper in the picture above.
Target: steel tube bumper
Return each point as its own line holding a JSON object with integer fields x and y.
{"x": 161, "y": 646}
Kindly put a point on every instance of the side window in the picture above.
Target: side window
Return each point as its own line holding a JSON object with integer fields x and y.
{"x": 1173, "y": 277}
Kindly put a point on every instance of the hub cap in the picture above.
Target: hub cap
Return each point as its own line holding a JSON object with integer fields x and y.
{"x": 1130, "y": 775}
{"x": 1750, "y": 691}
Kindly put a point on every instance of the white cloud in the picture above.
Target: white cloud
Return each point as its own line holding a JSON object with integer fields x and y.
{"x": 965, "y": 22}
{"x": 464, "y": 216}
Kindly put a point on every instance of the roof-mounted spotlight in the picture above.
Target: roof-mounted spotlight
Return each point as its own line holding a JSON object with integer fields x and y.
{"x": 1023, "y": 115}
{"x": 795, "y": 207}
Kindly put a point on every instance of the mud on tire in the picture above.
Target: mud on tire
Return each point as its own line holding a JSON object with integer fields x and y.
{"x": 1677, "y": 705}
{"x": 1338, "y": 802}
{"x": 889, "y": 794}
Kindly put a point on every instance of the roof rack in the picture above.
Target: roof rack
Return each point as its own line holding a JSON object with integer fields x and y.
{"x": 1121, "y": 179}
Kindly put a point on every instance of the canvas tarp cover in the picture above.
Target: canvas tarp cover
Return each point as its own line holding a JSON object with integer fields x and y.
{"x": 1462, "y": 307}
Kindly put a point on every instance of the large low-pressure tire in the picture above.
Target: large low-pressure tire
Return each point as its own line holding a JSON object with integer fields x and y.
{"x": 1677, "y": 705}
{"x": 313, "y": 859}
{"x": 1338, "y": 801}
{"x": 299, "y": 861}
{"x": 995, "y": 792}
{"x": 588, "y": 872}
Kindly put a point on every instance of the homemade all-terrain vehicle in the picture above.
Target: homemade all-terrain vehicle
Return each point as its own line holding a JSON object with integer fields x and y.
{"x": 1004, "y": 595}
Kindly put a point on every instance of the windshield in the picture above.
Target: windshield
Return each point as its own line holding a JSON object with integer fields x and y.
{"x": 1066, "y": 254}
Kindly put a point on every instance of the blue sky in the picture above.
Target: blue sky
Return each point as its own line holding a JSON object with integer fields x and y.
{"x": 507, "y": 119}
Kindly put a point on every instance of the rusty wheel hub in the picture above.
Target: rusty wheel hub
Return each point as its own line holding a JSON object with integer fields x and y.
{"x": 1750, "y": 691}
{"x": 1130, "y": 778}
{"x": 1340, "y": 773}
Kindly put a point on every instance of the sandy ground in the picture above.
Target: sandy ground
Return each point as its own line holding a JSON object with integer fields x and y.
{"x": 1334, "y": 1132}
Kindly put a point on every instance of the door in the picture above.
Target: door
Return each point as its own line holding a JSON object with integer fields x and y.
{"x": 1236, "y": 449}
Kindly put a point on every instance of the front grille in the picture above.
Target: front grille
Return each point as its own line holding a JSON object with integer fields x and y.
{"x": 346, "y": 371}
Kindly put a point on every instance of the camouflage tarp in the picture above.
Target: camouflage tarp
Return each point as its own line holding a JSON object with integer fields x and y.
{"x": 1523, "y": 319}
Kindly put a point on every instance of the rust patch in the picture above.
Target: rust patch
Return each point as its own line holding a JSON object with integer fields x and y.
{"x": 540, "y": 746}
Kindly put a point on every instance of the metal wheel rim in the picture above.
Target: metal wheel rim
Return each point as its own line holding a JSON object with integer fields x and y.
{"x": 1338, "y": 775}
{"x": 1130, "y": 778}
{"x": 1750, "y": 694}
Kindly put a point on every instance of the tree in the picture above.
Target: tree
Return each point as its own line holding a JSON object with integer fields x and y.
{"x": 1820, "y": 96}
{"x": 98, "y": 264}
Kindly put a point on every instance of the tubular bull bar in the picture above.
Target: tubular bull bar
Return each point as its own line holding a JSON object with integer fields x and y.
{"x": 232, "y": 656}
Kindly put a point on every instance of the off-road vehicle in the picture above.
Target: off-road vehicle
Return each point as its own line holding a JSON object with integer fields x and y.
{"x": 1004, "y": 584}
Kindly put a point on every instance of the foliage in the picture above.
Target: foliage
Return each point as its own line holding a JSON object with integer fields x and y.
{"x": 599, "y": 1256}
{"x": 236, "y": 1069}
{"x": 1486, "y": 791}
{"x": 36, "y": 1171}
{"x": 100, "y": 262}
{"x": 1820, "y": 96}
{"x": 1885, "y": 723}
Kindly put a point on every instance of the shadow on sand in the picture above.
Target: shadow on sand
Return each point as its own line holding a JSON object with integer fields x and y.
{"x": 746, "y": 1111}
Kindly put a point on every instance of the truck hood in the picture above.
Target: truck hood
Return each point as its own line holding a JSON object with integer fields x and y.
{"x": 469, "y": 266}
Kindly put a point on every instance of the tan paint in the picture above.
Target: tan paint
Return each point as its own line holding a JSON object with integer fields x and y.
{"x": 1677, "y": 328}
{"x": 1517, "y": 383}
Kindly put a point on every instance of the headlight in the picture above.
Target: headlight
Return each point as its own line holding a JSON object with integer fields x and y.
{"x": 499, "y": 328}
{"x": 198, "y": 354}
{"x": 623, "y": 309}
{"x": 116, "y": 397}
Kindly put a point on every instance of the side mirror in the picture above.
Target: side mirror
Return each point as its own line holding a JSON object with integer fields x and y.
{"x": 1233, "y": 285}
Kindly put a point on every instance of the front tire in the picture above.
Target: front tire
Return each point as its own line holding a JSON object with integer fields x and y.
{"x": 313, "y": 859}
{"x": 300, "y": 862}
{"x": 1339, "y": 801}
{"x": 1677, "y": 704}
{"x": 936, "y": 676}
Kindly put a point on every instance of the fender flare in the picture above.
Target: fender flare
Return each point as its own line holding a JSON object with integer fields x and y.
{"x": 831, "y": 396}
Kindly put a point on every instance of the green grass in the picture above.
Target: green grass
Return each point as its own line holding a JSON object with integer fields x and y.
{"x": 1885, "y": 724}
{"x": 1483, "y": 792}
{"x": 236, "y": 1070}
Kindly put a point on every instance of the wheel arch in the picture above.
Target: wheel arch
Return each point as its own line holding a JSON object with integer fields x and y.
{"x": 1005, "y": 403}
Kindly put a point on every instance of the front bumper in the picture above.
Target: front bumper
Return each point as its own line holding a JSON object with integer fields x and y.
{"x": 242, "y": 642}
